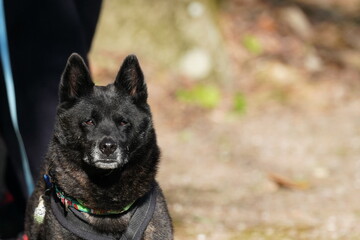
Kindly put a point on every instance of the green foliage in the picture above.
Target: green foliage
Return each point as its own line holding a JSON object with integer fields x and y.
{"x": 252, "y": 44}
{"x": 240, "y": 103}
{"x": 201, "y": 95}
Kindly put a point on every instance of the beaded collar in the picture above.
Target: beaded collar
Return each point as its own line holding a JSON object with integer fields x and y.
{"x": 79, "y": 205}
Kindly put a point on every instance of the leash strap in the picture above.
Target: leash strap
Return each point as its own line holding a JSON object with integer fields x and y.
{"x": 74, "y": 222}
{"x": 10, "y": 90}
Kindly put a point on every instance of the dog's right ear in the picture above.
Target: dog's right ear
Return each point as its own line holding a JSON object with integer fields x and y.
{"x": 75, "y": 80}
{"x": 131, "y": 79}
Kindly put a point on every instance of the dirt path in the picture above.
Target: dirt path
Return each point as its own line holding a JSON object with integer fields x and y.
{"x": 216, "y": 174}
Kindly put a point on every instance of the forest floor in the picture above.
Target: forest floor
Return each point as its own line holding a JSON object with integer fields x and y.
{"x": 278, "y": 174}
{"x": 273, "y": 173}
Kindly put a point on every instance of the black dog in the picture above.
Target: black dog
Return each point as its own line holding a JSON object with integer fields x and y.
{"x": 99, "y": 173}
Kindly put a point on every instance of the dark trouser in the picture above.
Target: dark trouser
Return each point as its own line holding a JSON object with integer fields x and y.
{"x": 41, "y": 34}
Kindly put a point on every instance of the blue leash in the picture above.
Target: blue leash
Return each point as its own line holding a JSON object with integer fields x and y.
{"x": 10, "y": 90}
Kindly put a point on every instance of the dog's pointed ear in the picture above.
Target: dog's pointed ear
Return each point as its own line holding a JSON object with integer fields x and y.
{"x": 131, "y": 79}
{"x": 75, "y": 80}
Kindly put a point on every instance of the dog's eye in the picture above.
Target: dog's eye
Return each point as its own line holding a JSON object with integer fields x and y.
{"x": 90, "y": 122}
{"x": 123, "y": 123}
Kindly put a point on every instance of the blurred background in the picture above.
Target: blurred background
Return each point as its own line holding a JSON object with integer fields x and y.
{"x": 256, "y": 106}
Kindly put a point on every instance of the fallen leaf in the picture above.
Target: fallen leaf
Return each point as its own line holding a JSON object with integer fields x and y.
{"x": 287, "y": 183}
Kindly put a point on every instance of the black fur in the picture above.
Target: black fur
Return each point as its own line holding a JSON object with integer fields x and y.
{"x": 103, "y": 151}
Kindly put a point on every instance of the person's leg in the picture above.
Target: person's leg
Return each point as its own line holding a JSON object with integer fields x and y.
{"x": 58, "y": 28}
{"x": 42, "y": 34}
{"x": 88, "y": 12}
{"x": 13, "y": 187}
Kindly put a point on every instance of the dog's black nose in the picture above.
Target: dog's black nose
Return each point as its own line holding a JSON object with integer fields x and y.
{"x": 107, "y": 146}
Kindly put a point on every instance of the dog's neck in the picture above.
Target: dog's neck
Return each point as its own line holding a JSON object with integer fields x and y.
{"x": 80, "y": 205}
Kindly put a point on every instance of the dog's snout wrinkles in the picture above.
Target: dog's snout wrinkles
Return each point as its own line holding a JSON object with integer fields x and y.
{"x": 107, "y": 146}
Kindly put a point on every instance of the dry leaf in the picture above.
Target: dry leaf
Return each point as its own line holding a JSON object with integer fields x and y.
{"x": 287, "y": 183}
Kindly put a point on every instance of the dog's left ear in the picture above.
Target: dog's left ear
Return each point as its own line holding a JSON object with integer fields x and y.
{"x": 75, "y": 80}
{"x": 131, "y": 79}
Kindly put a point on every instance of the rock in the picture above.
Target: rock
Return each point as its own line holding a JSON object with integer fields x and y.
{"x": 195, "y": 9}
{"x": 196, "y": 63}
{"x": 295, "y": 18}
{"x": 313, "y": 63}
{"x": 278, "y": 74}
{"x": 198, "y": 23}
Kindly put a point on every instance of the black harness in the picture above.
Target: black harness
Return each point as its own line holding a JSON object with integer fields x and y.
{"x": 75, "y": 222}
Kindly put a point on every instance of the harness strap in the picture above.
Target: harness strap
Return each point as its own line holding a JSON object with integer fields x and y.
{"x": 141, "y": 218}
{"x": 10, "y": 91}
{"x": 75, "y": 222}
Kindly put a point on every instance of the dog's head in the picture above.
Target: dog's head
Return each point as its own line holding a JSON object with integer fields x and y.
{"x": 104, "y": 126}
